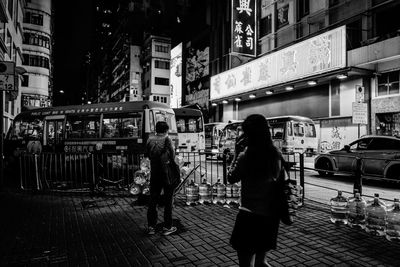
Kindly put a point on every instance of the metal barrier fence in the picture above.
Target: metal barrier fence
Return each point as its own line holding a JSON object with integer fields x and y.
{"x": 356, "y": 168}
{"x": 86, "y": 171}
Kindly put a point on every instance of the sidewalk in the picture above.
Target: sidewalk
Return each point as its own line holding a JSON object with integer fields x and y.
{"x": 79, "y": 230}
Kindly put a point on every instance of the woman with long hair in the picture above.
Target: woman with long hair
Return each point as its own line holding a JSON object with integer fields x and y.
{"x": 257, "y": 167}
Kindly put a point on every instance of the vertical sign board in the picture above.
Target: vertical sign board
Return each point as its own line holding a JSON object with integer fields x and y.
{"x": 360, "y": 112}
{"x": 244, "y": 27}
{"x": 7, "y": 76}
{"x": 175, "y": 80}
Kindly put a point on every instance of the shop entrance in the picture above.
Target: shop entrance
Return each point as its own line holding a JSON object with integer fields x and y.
{"x": 388, "y": 124}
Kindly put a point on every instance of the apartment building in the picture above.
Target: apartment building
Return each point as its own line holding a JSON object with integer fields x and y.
{"x": 36, "y": 87}
{"x": 11, "y": 32}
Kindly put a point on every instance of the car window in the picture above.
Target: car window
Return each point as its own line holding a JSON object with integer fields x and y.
{"x": 361, "y": 144}
{"x": 384, "y": 144}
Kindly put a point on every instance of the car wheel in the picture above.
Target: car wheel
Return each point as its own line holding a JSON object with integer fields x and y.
{"x": 324, "y": 168}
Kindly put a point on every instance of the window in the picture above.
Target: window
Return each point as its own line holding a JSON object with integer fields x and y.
{"x": 282, "y": 16}
{"x": 162, "y": 64}
{"x": 9, "y": 44}
{"x": 388, "y": 83}
{"x": 384, "y": 144}
{"x": 361, "y": 144}
{"x": 77, "y": 127}
{"x": 25, "y": 80}
{"x": 161, "y": 81}
{"x": 162, "y": 48}
{"x": 310, "y": 130}
{"x": 266, "y": 25}
{"x": 28, "y": 129}
{"x": 303, "y": 8}
{"x": 36, "y": 61}
{"x": 36, "y": 39}
{"x": 33, "y": 18}
{"x": 164, "y": 116}
{"x": 115, "y": 126}
{"x": 277, "y": 130}
{"x": 11, "y": 7}
{"x": 298, "y": 129}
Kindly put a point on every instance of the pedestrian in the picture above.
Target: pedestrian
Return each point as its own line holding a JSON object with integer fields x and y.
{"x": 257, "y": 167}
{"x": 156, "y": 145}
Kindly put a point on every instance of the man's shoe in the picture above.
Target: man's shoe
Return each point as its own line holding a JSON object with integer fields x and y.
{"x": 151, "y": 230}
{"x": 169, "y": 231}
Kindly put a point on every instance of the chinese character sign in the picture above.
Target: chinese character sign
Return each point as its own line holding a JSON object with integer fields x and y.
{"x": 244, "y": 27}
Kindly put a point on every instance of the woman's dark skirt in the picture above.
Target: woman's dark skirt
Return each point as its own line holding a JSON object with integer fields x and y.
{"x": 254, "y": 233}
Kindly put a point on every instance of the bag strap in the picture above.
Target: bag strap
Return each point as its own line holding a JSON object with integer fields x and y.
{"x": 166, "y": 149}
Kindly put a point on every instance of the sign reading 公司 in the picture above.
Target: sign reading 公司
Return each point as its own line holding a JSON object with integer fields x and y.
{"x": 320, "y": 54}
{"x": 244, "y": 27}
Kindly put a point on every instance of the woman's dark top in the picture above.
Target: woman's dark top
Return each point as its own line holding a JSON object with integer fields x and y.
{"x": 258, "y": 183}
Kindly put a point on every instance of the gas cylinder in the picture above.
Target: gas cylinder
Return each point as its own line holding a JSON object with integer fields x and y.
{"x": 192, "y": 193}
{"x": 219, "y": 192}
{"x": 205, "y": 192}
{"x": 232, "y": 193}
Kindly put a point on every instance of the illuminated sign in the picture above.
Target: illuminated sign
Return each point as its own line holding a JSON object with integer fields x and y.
{"x": 320, "y": 54}
{"x": 244, "y": 27}
{"x": 176, "y": 77}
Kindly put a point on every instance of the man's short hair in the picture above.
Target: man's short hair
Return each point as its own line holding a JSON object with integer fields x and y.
{"x": 162, "y": 127}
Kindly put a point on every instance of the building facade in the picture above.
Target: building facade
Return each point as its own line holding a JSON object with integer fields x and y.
{"x": 36, "y": 87}
{"x": 320, "y": 59}
{"x": 11, "y": 34}
{"x": 156, "y": 68}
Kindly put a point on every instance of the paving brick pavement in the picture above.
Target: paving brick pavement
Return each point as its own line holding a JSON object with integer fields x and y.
{"x": 83, "y": 230}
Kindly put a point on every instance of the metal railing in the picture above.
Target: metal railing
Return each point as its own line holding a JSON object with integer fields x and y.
{"x": 90, "y": 172}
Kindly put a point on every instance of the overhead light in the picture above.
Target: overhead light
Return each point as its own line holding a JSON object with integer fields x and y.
{"x": 269, "y": 92}
{"x": 289, "y": 87}
{"x": 224, "y": 101}
{"x": 214, "y": 104}
{"x": 237, "y": 99}
{"x": 61, "y": 91}
{"x": 89, "y": 102}
{"x": 252, "y": 96}
{"x": 311, "y": 83}
{"x": 341, "y": 76}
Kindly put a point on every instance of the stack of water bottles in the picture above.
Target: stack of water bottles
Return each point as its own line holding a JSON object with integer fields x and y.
{"x": 375, "y": 216}
{"x": 218, "y": 193}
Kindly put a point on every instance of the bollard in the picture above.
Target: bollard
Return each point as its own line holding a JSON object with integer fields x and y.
{"x": 224, "y": 173}
{"x": 357, "y": 176}
{"x": 38, "y": 184}
{"x": 302, "y": 176}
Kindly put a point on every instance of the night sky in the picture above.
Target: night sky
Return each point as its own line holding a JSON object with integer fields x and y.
{"x": 73, "y": 23}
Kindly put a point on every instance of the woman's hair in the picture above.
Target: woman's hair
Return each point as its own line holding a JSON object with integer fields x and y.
{"x": 262, "y": 154}
{"x": 161, "y": 127}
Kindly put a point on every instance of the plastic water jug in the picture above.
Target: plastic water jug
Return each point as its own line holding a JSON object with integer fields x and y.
{"x": 205, "y": 192}
{"x": 192, "y": 193}
{"x": 232, "y": 193}
{"x": 219, "y": 192}
{"x": 357, "y": 206}
{"x": 376, "y": 217}
{"x": 339, "y": 209}
{"x": 393, "y": 221}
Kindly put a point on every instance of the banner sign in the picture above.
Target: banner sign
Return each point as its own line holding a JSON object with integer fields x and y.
{"x": 7, "y": 76}
{"x": 320, "y": 54}
{"x": 244, "y": 27}
{"x": 175, "y": 77}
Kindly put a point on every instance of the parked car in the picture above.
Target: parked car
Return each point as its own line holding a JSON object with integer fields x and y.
{"x": 380, "y": 158}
